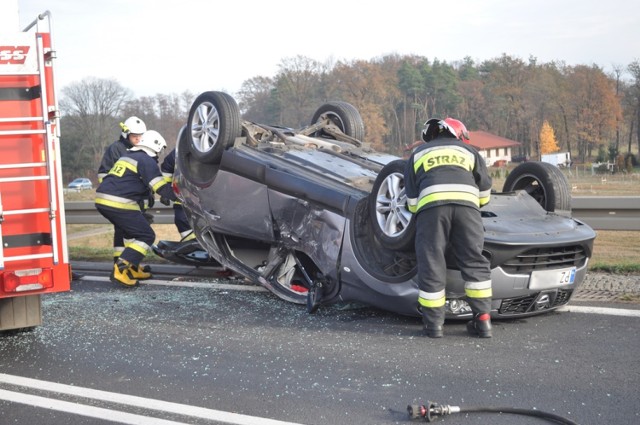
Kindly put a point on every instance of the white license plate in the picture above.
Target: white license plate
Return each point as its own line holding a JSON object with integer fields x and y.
{"x": 546, "y": 279}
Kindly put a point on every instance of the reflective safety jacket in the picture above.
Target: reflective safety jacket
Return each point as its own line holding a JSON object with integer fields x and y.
{"x": 168, "y": 165}
{"x": 113, "y": 153}
{"x": 129, "y": 181}
{"x": 446, "y": 171}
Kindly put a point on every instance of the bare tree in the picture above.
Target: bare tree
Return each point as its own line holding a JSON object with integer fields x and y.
{"x": 91, "y": 111}
{"x": 297, "y": 85}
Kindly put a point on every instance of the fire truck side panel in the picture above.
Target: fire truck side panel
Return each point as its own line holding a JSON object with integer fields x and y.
{"x": 34, "y": 256}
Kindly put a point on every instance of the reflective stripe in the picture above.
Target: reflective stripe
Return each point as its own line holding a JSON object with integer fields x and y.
{"x": 431, "y": 299}
{"x": 101, "y": 177}
{"x": 412, "y": 204}
{"x": 465, "y": 188}
{"x": 480, "y": 289}
{"x": 443, "y": 155}
{"x": 478, "y": 293}
{"x": 116, "y": 202}
{"x": 449, "y": 196}
{"x": 123, "y": 164}
{"x": 485, "y": 197}
{"x": 139, "y": 246}
{"x": 483, "y": 284}
{"x": 157, "y": 183}
{"x": 432, "y": 303}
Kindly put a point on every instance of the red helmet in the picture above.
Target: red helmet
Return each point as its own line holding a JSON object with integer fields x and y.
{"x": 450, "y": 126}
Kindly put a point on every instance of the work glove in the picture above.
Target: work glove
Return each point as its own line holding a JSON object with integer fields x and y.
{"x": 151, "y": 200}
{"x": 148, "y": 216}
{"x": 165, "y": 201}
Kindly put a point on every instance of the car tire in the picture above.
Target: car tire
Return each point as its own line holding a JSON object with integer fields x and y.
{"x": 544, "y": 182}
{"x": 393, "y": 224}
{"x": 344, "y": 115}
{"x": 214, "y": 124}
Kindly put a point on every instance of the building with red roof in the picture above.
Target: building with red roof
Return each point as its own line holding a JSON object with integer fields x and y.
{"x": 494, "y": 149}
{"x": 491, "y": 147}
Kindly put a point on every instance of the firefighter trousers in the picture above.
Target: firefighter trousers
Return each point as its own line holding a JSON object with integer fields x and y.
{"x": 459, "y": 228}
{"x": 135, "y": 229}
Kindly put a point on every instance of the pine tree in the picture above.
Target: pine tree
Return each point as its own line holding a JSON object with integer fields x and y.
{"x": 548, "y": 143}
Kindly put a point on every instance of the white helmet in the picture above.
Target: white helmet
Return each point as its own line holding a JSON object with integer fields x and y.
{"x": 151, "y": 142}
{"x": 133, "y": 125}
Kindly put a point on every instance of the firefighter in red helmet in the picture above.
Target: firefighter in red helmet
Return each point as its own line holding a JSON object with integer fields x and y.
{"x": 446, "y": 182}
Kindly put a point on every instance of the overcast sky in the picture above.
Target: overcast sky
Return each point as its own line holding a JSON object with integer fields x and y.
{"x": 171, "y": 46}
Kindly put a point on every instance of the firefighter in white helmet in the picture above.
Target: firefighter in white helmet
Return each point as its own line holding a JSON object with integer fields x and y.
{"x": 118, "y": 200}
{"x": 446, "y": 182}
{"x": 131, "y": 131}
{"x": 130, "y": 135}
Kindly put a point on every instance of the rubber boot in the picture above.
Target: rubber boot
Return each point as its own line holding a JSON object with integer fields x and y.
{"x": 480, "y": 326}
{"x": 433, "y": 331}
{"x": 122, "y": 274}
{"x": 432, "y": 319}
{"x": 140, "y": 273}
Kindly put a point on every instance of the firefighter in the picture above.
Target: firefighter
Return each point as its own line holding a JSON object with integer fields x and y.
{"x": 118, "y": 200}
{"x": 179, "y": 216}
{"x": 446, "y": 182}
{"x": 131, "y": 131}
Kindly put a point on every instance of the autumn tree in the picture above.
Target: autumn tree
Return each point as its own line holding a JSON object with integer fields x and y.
{"x": 634, "y": 69}
{"x": 411, "y": 85}
{"x": 548, "y": 142}
{"x": 504, "y": 79}
{"x": 470, "y": 86}
{"x": 365, "y": 86}
{"x": 595, "y": 108}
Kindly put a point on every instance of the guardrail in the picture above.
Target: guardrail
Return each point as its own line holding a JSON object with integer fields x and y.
{"x": 608, "y": 212}
{"x": 599, "y": 212}
{"x": 84, "y": 212}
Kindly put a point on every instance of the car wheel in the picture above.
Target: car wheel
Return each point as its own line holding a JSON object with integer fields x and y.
{"x": 393, "y": 224}
{"x": 214, "y": 124}
{"x": 544, "y": 182}
{"x": 342, "y": 114}
{"x": 193, "y": 170}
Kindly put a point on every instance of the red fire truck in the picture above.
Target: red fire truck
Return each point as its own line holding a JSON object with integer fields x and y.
{"x": 34, "y": 257}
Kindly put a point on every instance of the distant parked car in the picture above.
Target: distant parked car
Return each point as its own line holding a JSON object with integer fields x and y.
{"x": 81, "y": 184}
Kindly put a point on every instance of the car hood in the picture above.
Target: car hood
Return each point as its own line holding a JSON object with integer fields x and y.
{"x": 517, "y": 218}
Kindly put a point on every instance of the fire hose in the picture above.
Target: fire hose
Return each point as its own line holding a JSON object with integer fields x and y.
{"x": 431, "y": 411}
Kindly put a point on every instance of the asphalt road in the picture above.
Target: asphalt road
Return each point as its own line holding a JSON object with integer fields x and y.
{"x": 238, "y": 355}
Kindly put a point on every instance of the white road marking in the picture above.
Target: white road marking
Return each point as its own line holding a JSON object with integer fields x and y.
{"x": 208, "y": 285}
{"x": 600, "y": 310}
{"x": 83, "y": 410}
{"x": 128, "y": 400}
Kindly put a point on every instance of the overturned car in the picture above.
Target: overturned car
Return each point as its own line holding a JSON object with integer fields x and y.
{"x": 318, "y": 217}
